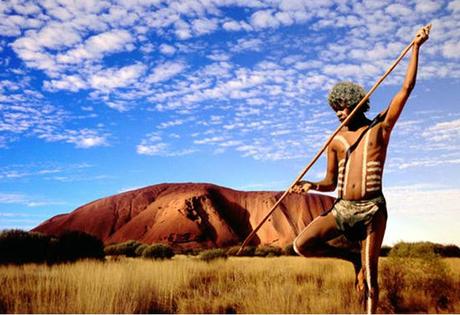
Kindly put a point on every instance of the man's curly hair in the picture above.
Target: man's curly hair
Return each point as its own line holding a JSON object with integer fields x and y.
{"x": 347, "y": 94}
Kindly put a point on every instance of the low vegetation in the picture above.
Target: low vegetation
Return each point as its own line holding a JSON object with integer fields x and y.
{"x": 158, "y": 251}
{"x": 235, "y": 285}
{"x": 419, "y": 267}
{"x": 414, "y": 278}
{"x": 213, "y": 254}
{"x": 20, "y": 247}
{"x": 128, "y": 249}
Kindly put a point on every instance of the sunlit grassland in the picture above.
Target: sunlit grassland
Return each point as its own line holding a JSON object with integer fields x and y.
{"x": 187, "y": 285}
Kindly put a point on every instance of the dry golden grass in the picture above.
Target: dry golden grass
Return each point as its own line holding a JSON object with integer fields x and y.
{"x": 186, "y": 285}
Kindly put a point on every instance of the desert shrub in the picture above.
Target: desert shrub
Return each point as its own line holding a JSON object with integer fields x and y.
{"x": 412, "y": 274}
{"x": 158, "y": 251}
{"x": 385, "y": 251}
{"x": 213, "y": 254}
{"x": 448, "y": 250}
{"x": 248, "y": 251}
{"x": 127, "y": 248}
{"x": 139, "y": 251}
{"x": 268, "y": 251}
{"x": 74, "y": 245}
{"x": 414, "y": 250}
{"x": 422, "y": 249}
{"x": 191, "y": 251}
{"x": 18, "y": 247}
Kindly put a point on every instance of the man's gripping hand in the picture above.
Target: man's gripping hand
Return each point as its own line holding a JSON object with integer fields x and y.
{"x": 422, "y": 35}
{"x": 301, "y": 187}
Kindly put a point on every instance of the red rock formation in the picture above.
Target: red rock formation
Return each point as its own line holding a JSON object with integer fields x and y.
{"x": 191, "y": 215}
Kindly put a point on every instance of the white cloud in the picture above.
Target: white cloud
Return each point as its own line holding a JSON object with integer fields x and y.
{"x": 112, "y": 78}
{"x": 454, "y": 5}
{"x": 209, "y": 140}
{"x": 249, "y": 44}
{"x": 90, "y": 141}
{"x": 172, "y": 123}
{"x": 182, "y": 30}
{"x": 264, "y": 19}
{"x": 167, "y": 49}
{"x": 161, "y": 149}
{"x": 52, "y": 36}
{"x": 204, "y": 26}
{"x": 428, "y": 163}
{"x": 451, "y": 49}
{"x": 154, "y": 145}
{"x": 81, "y": 138}
{"x": 398, "y": 9}
{"x": 165, "y": 71}
{"x": 448, "y": 131}
{"x": 419, "y": 199}
{"x": 22, "y": 199}
{"x": 98, "y": 46}
{"x": 152, "y": 149}
{"x": 72, "y": 83}
{"x": 427, "y": 6}
{"x": 236, "y": 26}
{"x": 357, "y": 72}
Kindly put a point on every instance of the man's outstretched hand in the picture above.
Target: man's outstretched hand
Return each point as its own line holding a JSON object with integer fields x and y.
{"x": 422, "y": 35}
{"x": 301, "y": 187}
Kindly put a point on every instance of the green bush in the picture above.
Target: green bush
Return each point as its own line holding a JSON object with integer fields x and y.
{"x": 414, "y": 250}
{"x": 385, "y": 251}
{"x": 268, "y": 251}
{"x": 158, "y": 251}
{"x": 447, "y": 250}
{"x": 74, "y": 245}
{"x": 18, "y": 247}
{"x": 421, "y": 249}
{"x": 415, "y": 267}
{"x": 213, "y": 254}
{"x": 191, "y": 251}
{"x": 127, "y": 248}
{"x": 140, "y": 250}
{"x": 248, "y": 251}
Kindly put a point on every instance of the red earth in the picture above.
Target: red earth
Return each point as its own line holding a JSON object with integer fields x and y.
{"x": 191, "y": 215}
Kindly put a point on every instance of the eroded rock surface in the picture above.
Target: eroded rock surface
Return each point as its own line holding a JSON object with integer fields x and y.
{"x": 191, "y": 215}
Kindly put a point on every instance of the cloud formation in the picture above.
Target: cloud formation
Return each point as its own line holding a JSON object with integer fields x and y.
{"x": 167, "y": 57}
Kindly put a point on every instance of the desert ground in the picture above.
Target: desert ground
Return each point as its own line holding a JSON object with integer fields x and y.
{"x": 186, "y": 284}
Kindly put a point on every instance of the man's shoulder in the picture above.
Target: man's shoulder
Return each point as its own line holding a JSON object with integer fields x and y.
{"x": 339, "y": 140}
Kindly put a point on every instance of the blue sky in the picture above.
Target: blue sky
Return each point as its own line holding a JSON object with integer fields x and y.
{"x": 100, "y": 97}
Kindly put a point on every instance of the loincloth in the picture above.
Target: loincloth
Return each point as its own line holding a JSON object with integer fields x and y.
{"x": 352, "y": 217}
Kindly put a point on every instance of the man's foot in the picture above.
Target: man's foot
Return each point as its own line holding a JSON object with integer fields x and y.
{"x": 361, "y": 288}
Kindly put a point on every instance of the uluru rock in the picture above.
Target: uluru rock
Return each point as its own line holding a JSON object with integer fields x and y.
{"x": 191, "y": 215}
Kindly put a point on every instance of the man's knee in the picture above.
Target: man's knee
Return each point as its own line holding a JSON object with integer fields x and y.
{"x": 303, "y": 246}
{"x": 296, "y": 248}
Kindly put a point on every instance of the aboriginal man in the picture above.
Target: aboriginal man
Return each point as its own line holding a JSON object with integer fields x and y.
{"x": 355, "y": 162}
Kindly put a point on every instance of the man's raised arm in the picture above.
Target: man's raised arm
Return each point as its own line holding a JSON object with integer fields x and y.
{"x": 399, "y": 100}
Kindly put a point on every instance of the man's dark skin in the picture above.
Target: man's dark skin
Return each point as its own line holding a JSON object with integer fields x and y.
{"x": 360, "y": 179}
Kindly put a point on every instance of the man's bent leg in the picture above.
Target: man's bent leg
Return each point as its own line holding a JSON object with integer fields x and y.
{"x": 370, "y": 251}
{"x": 311, "y": 241}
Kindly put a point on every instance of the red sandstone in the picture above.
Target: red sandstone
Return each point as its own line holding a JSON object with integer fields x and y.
{"x": 191, "y": 215}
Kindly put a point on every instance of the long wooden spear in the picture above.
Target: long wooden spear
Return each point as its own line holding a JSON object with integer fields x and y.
{"x": 329, "y": 140}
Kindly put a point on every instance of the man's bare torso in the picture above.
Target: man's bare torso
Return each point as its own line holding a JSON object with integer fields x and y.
{"x": 360, "y": 175}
